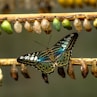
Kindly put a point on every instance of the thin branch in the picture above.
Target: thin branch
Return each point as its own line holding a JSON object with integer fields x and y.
{"x": 49, "y": 16}
{"x": 74, "y": 61}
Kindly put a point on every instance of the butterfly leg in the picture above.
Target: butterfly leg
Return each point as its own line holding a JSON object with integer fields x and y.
{"x": 61, "y": 71}
{"x": 45, "y": 77}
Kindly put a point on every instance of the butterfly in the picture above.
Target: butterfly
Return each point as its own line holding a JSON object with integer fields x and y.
{"x": 57, "y": 56}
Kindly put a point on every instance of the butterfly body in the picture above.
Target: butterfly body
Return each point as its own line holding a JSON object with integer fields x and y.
{"x": 56, "y": 56}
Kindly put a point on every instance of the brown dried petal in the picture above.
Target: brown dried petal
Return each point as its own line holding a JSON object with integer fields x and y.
{"x": 14, "y": 72}
{"x": 45, "y": 77}
{"x": 84, "y": 69}
{"x": 61, "y": 72}
{"x": 70, "y": 71}
{"x": 94, "y": 69}
{"x": 24, "y": 71}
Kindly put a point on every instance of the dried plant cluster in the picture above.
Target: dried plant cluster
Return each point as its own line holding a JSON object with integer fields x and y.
{"x": 77, "y": 3}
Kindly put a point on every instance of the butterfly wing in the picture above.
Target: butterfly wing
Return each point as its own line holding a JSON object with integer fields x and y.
{"x": 61, "y": 52}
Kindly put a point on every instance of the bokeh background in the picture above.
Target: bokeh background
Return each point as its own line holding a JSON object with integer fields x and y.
{"x": 12, "y": 46}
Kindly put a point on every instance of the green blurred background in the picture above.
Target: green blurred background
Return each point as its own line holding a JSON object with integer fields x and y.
{"x": 12, "y": 46}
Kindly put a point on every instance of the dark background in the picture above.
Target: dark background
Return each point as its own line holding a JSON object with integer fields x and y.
{"x": 12, "y": 46}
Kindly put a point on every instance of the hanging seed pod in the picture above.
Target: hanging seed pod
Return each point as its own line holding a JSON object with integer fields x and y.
{"x": 14, "y": 72}
{"x": 84, "y": 69}
{"x": 61, "y": 72}
{"x": 94, "y": 69}
{"x": 56, "y": 24}
{"x": 95, "y": 23}
{"x": 70, "y": 71}
{"x": 28, "y": 26}
{"x": 37, "y": 27}
{"x": 77, "y": 24}
{"x": 66, "y": 24}
{"x": 45, "y": 25}
{"x": 24, "y": 71}
{"x": 18, "y": 27}
{"x": 45, "y": 77}
{"x": 79, "y": 3}
{"x": 87, "y": 25}
{"x": 6, "y": 26}
{"x": 1, "y": 77}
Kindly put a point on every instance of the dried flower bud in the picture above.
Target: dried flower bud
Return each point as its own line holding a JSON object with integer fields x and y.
{"x": 45, "y": 77}
{"x": 66, "y": 24}
{"x": 56, "y": 24}
{"x": 37, "y": 27}
{"x": 78, "y": 24}
{"x": 6, "y": 26}
{"x": 70, "y": 71}
{"x": 95, "y": 23}
{"x": 45, "y": 25}
{"x": 24, "y": 71}
{"x": 84, "y": 69}
{"x": 87, "y": 25}
{"x": 18, "y": 27}
{"x": 14, "y": 72}
{"x": 94, "y": 68}
{"x": 1, "y": 77}
{"x": 61, "y": 72}
{"x": 28, "y": 26}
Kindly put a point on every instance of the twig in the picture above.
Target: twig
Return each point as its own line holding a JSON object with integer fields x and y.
{"x": 74, "y": 61}
{"x": 49, "y": 16}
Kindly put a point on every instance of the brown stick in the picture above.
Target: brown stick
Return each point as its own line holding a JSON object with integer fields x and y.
{"x": 74, "y": 61}
{"x": 49, "y": 16}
